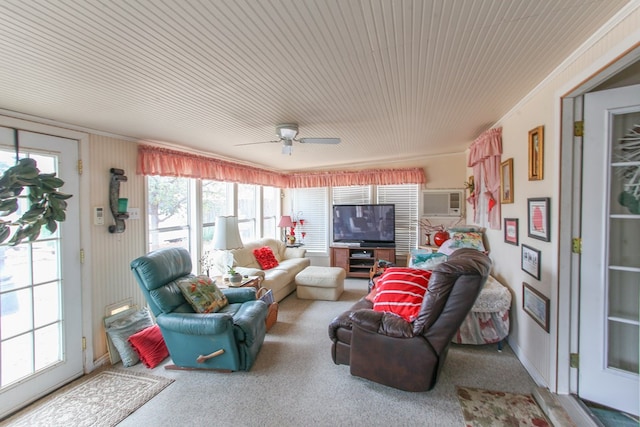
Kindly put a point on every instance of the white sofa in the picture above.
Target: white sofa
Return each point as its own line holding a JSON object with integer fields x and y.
{"x": 280, "y": 279}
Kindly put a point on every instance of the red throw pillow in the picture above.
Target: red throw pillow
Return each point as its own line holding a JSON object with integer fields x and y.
{"x": 401, "y": 290}
{"x": 265, "y": 257}
{"x": 150, "y": 346}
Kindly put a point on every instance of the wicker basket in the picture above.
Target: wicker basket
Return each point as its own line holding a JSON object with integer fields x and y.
{"x": 272, "y": 315}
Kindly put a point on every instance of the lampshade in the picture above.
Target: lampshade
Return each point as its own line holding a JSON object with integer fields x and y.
{"x": 285, "y": 221}
{"x": 226, "y": 235}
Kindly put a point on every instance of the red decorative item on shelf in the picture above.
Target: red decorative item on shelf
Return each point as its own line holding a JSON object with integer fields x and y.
{"x": 440, "y": 237}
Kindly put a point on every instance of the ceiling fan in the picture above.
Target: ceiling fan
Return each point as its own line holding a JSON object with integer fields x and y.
{"x": 287, "y": 133}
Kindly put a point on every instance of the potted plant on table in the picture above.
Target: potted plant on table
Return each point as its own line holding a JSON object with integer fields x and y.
{"x": 233, "y": 276}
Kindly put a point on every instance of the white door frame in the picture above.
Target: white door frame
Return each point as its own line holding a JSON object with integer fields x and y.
{"x": 570, "y": 96}
{"x": 85, "y": 219}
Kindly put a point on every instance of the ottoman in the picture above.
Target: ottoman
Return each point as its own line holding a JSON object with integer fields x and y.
{"x": 325, "y": 283}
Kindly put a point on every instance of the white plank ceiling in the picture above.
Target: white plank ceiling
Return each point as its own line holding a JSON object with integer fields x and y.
{"x": 395, "y": 80}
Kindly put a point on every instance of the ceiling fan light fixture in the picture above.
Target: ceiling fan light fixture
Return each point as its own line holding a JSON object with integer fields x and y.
{"x": 287, "y": 131}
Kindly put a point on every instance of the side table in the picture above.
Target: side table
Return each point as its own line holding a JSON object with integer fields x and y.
{"x": 252, "y": 281}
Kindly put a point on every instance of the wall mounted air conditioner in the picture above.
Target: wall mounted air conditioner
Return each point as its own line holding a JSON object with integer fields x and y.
{"x": 442, "y": 203}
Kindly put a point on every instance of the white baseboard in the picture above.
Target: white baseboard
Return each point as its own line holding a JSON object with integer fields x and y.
{"x": 528, "y": 366}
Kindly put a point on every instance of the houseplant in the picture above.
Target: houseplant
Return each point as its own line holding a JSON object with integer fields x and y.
{"x": 46, "y": 204}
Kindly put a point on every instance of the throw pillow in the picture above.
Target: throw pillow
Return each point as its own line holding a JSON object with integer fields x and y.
{"x": 203, "y": 294}
{"x": 121, "y": 329}
{"x": 470, "y": 239}
{"x": 265, "y": 257}
{"x": 400, "y": 291}
{"x": 426, "y": 260}
{"x": 149, "y": 346}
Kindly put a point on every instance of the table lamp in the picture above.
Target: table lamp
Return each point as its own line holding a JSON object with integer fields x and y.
{"x": 285, "y": 221}
{"x": 226, "y": 236}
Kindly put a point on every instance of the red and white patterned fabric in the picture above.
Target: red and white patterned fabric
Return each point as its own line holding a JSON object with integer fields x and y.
{"x": 400, "y": 290}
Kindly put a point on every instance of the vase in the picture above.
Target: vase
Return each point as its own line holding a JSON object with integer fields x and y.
{"x": 440, "y": 237}
{"x": 235, "y": 278}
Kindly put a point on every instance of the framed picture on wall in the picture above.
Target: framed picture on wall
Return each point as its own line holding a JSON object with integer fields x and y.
{"x": 511, "y": 231}
{"x": 536, "y": 305}
{"x": 538, "y": 218}
{"x": 536, "y": 153}
{"x": 506, "y": 181}
{"x": 530, "y": 261}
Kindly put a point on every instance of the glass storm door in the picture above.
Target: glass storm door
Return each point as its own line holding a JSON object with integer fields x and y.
{"x": 40, "y": 304}
{"x": 610, "y": 262}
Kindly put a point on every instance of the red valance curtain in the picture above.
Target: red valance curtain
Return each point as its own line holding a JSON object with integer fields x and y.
{"x": 165, "y": 162}
{"x": 484, "y": 158}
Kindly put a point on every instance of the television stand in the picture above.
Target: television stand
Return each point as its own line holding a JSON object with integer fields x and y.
{"x": 377, "y": 245}
{"x": 357, "y": 261}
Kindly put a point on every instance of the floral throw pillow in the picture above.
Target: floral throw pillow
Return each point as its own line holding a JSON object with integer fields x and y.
{"x": 265, "y": 257}
{"x": 203, "y": 294}
{"x": 470, "y": 239}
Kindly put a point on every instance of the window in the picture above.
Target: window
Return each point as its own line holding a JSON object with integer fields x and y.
{"x": 217, "y": 200}
{"x": 270, "y": 209}
{"x": 311, "y": 204}
{"x": 352, "y": 195}
{"x": 168, "y": 212}
{"x": 178, "y": 218}
{"x": 248, "y": 205}
{"x": 405, "y": 198}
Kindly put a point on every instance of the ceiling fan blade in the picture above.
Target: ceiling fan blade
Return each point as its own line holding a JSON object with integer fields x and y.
{"x": 320, "y": 140}
{"x": 254, "y": 143}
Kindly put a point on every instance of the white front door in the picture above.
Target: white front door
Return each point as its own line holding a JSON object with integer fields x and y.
{"x": 610, "y": 262}
{"x": 40, "y": 288}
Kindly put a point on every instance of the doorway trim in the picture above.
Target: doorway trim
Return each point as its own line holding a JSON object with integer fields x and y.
{"x": 570, "y": 106}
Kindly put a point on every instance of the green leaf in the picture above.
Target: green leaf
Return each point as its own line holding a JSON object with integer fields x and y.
{"x": 52, "y": 225}
{"x": 52, "y": 182}
{"x": 61, "y": 196}
{"x": 5, "y": 231}
{"x": 9, "y": 205}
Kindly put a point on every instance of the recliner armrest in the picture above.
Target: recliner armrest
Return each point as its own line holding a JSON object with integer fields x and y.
{"x": 196, "y": 323}
{"x": 240, "y": 295}
{"x": 382, "y": 323}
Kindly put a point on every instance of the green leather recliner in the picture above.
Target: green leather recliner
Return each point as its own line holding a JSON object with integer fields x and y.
{"x": 194, "y": 340}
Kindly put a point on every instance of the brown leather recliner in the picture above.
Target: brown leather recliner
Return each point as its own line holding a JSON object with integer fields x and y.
{"x": 384, "y": 348}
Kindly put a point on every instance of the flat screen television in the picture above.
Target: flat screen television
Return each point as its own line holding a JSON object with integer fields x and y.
{"x": 368, "y": 224}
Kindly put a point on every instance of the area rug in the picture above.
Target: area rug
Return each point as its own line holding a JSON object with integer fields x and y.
{"x": 483, "y": 408}
{"x": 102, "y": 398}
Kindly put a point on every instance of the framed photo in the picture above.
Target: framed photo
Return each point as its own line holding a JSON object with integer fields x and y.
{"x": 536, "y": 305}
{"x": 536, "y": 153}
{"x": 511, "y": 231}
{"x": 530, "y": 261}
{"x": 506, "y": 181}
{"x": 538, "y": 218}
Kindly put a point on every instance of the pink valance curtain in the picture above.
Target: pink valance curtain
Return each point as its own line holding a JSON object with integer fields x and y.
{"x": 165, "y": 162}
{"x": 484, "y": 158}
{"x": 362, "y": 177}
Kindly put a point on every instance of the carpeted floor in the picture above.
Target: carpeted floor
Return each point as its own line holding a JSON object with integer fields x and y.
{"x": 488, "y": 408}
{"x": 102, "y": 398}
{"x": 294, "y": 382}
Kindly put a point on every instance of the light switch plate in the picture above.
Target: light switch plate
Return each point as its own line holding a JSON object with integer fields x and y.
{"x": 134, "y": 213}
